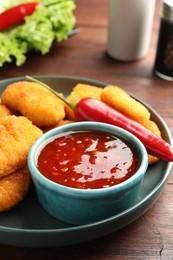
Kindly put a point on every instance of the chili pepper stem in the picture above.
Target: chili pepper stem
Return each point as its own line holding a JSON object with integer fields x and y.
{"x": 90, "y": 109}
{"x": 72, "y": 105}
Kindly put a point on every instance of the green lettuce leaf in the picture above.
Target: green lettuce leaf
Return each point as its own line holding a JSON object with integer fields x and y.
{"x": 51, "y": 21}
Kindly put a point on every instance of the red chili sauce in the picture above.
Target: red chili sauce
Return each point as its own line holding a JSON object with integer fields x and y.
{"x": 88, "y": 160}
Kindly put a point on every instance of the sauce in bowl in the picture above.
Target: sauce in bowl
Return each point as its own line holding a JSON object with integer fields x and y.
{"x": 88, "y": 159}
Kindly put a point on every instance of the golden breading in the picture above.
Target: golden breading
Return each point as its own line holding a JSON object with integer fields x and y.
{"x": 152, "y": 126}
{"x": 81, "y": 91}
{"x": 152, "y": 159}
{"x": 17, "y": 134}
{"x": 4, "y": 110}
{"x": 59, "y": 123}
{"x": 13, "y": 188}
{"x": 35, "y": 102}
{"x": 121, "y": 101}
{"x": 64, "y": 122}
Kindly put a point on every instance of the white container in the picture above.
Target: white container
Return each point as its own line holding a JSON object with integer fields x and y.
{"x": 129, "y": 28}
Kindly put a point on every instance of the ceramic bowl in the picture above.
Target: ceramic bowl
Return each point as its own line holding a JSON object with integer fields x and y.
{"x": 83, "y": 206}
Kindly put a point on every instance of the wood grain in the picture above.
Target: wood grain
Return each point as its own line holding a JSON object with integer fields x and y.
{"x": 84, "y": 55}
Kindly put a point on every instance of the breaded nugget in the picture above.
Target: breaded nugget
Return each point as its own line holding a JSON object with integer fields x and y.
{"x": 4, "y": 110}
{"x": 17, "y": 134}
{"x": 59, "y": 123}
{"x": 35, "y": 102}
{"x": 13, "y": 188}
{"x": 152, "y": 159}
{"x": 152, "y": 126}
{"x": 123, "y": 102}
{"x": 64, "y": 122}
{"x": 81, "y": 91}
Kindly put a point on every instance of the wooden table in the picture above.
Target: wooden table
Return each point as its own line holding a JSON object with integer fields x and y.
{"x": 84, "y": 55}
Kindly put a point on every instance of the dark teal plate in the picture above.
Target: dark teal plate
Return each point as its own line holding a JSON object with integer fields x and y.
{"x": 28, "y": 225}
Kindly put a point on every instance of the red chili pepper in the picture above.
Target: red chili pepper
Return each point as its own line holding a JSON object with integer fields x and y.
{"x": 16, "y": 15}
{"x": 90, "y": 109}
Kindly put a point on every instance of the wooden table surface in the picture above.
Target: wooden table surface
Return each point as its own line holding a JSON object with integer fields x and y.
{"x": 84, "y": 55}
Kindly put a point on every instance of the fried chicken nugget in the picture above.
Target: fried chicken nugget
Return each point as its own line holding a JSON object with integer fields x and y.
{"x": 81, "y": 91}
{"x": 35, "y": 102}
{"x": 4, "y": 110}
{"x": 13, "y": 188}
{"x": 123, "y": 102}
{"x": 152, "y": 126}
{"x": 17, "y": 134}
{"x": 59, "y": 123}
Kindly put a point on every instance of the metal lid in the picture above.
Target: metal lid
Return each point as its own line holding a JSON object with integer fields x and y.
{"x": 168, "y": 9}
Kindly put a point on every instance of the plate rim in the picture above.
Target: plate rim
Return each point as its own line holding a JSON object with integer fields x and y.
{"x": 116, "y": 216}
